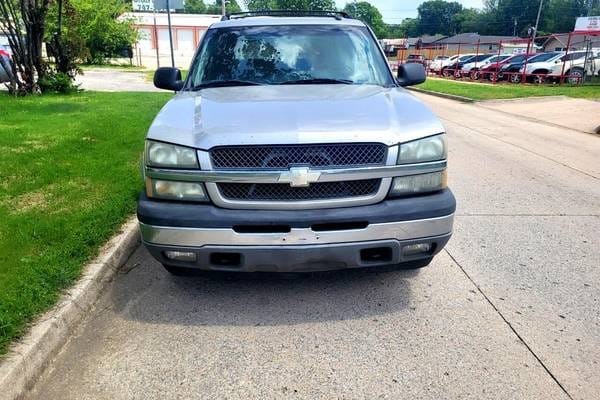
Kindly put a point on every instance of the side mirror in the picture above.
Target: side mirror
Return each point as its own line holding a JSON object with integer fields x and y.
{"x": 411, "y": 74}
{"x": 168, "y": 78}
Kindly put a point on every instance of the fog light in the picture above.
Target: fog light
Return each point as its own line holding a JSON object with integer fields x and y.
{"x": 414, "y": 249}
{"x": 186, "y": 256}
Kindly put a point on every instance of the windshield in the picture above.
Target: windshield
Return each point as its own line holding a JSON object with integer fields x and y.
{"x": 465, "y": 58}
{"x": 481, "y": 57}
{"x": 542, "y": 57}
{"x": 290, "y": 54}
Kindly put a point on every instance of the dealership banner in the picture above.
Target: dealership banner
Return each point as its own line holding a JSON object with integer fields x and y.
{"x": 587, "y": 24}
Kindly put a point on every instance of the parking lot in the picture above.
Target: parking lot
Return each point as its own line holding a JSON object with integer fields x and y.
{"x": 509, "y": 310}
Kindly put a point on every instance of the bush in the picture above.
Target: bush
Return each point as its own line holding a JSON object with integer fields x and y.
{"x": 57, "y": 82}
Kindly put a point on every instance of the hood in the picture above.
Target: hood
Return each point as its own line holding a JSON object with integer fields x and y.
{"x": 291, "y": 114}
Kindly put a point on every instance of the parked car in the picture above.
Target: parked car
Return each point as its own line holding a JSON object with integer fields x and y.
{"x": 438, "y": 62}
{"x": 297, "y": 160}
{"x": 453, "y": 68}
{"x": 5, "y": 55}
{"x": 493, "y": 70}
{"x": 475, "y": 63}
{"x": 476, "y": 70}
{"x": 511, "y": 72}
{"x": 416, "y": 58}
{"x": 538, "y": 67}
{"x": 575, "y": 66}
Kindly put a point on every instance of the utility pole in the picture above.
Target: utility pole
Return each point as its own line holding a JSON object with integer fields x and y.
{"x": 156, "y": 38}
{"x": 170, "y": 33}
{"x": 537, "y": 22}
{"x": 223, "y": 7}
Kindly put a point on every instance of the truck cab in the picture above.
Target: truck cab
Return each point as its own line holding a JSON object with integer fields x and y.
{"x": 292, "y": 147}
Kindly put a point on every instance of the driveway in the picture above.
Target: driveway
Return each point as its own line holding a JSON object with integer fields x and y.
{"x": 114, "y": 80}
{"x": 509, "y": 311}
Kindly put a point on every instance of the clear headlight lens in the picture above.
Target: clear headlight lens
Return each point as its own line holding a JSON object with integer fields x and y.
{"x": 174, "y": 190}
{"x": 168, "y": 155}
{"x": 432, "y": 148}
{"x": 415, "y": 184}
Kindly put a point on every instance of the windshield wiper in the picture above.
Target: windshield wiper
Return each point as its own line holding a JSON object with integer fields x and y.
{"x": 224, "y": 83}
{"x": 317, "y": 81}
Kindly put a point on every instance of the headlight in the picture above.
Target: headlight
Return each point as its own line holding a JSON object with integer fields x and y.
{"x": 415, "y": 184}
{"x": 174, "y": 190}
{"x": 168, "y": 155}
{"x": 432, "y": 148}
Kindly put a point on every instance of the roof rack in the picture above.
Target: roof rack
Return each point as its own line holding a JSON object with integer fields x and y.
{"x": 287, "y": 13}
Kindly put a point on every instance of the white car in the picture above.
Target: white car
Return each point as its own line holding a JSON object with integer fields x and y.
{"x": 440, "y": 61}
{"x": 473, "y": 67}
{"x": 540, "y": 66}
{"x": 576, "y": 65}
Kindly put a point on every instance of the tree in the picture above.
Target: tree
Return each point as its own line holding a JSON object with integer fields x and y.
{"x": 295, "y": 5}
{"x": 368, "y": 14}
{"x": 438, "y": 16}
{"x": 24, "y": 23}
{"x": 194, "y": 7}
{"x": 104, "y": 32}
{"x": 231, "y": 6}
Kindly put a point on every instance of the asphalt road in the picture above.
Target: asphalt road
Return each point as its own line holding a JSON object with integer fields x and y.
{"x": 510, "y": 311}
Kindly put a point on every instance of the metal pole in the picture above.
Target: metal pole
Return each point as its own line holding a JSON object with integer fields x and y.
{"x": 170, "y": 33}
{"x": 515, "y": 27}
{"x": 156, "y": 39}
{"x": 537, "y": 21}
{"x": 562, "y": 72}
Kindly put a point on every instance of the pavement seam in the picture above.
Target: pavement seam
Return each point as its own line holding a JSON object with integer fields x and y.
{"x": 522, "y": 148}
{"x": 521, "y": 339}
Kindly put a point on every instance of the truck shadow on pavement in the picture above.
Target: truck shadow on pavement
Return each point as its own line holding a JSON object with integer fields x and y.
{"x": 144, "y": 291}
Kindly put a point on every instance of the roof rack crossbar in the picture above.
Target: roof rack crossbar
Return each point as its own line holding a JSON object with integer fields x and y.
{"x": 287, "y": 13}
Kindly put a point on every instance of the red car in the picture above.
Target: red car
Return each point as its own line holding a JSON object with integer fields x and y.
{"x": 491, "y": 71}
{"x": 5, "y": 55}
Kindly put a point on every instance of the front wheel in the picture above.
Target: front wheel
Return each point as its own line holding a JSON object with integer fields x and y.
{"x": 539, "y": 79}
{"x": 515, "y": 78}
{"x": 178, "y": 271}
{"x": 475, "y": 75}
{"x": 575, "y": 76}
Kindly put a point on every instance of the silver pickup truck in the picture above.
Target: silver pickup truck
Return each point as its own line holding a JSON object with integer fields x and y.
{"x": 291, "y": 147}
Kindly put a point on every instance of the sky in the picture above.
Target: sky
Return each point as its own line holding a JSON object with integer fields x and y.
{"x": 394, "y": 11}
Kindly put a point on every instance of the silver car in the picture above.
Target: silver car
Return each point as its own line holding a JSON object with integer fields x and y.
{"x": 291, "y": 147}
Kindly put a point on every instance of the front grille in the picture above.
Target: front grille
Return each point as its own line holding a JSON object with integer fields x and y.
{"x": 282, "y": 157}
{"x": 316, "y": 191}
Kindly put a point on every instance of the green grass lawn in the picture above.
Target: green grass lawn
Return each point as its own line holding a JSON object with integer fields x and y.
{"x": 69, "y": 177}
{"x": 508, "y": 91}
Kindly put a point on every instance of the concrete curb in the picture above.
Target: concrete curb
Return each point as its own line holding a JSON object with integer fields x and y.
{"x": 442, "y": 95}
{"x": 30, "y": 356}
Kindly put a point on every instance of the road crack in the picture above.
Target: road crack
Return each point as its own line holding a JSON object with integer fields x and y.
{"x": 512, "y": 328}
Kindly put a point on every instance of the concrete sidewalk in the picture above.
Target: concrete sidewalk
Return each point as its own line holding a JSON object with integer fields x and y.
{"x": 579, "y": 114}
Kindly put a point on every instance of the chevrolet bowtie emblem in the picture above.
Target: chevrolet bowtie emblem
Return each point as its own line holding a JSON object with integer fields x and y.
{"x": 299, "y": 176}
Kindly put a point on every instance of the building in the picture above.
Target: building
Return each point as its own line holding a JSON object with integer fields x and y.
{"x": 188, "y": 30}
{"x": 578, "y": 42}
{"x": 474, "y": 42}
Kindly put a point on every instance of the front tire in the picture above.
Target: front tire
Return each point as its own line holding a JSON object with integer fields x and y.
{"x": 178, "y": 271}
{"x": 575, "y": 76}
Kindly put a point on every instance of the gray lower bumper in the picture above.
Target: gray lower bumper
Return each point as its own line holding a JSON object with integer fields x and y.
{"x": 300, "y": 249}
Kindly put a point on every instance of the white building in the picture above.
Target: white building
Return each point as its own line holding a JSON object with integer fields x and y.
{"x": 188, "y": 30}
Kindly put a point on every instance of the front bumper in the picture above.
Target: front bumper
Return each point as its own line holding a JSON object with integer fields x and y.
{"x": 297, "y": 240}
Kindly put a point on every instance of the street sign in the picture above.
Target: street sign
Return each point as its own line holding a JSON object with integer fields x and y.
{"x": 143, "y": 5}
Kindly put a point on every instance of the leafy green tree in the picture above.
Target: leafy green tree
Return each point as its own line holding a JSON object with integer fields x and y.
{"x": 410, "y": 27}
{"x": 194, "y": 7}
{"x": 438, "y": 16}
{"x": 231, "y": 6}
{"x": 105, "y": 34}
{"x": 296, "y": 5}
{"x": 368, "y": 14}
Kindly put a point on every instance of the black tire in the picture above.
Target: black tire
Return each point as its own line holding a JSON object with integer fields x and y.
{"x": 575, "y": 76}
{"x": 178, "y": 271}
{"x": 474, "y": 75}
{"x": 515, "y": 78}
{"x": 417, "y": 264}
{"x": 445, "y": 73}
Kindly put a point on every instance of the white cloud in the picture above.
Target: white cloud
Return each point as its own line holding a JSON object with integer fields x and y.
{"x": 394, "y": 11}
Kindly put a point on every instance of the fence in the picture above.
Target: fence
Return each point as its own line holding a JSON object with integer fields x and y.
{"x": 577, "y": 60}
